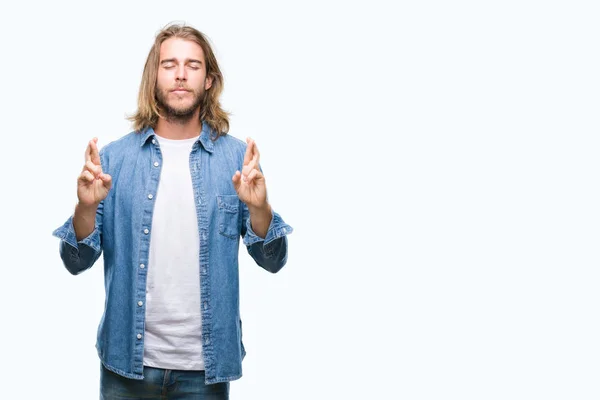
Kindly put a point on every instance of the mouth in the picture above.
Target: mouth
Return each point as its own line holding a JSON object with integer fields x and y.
{"x": 179, "y": 90}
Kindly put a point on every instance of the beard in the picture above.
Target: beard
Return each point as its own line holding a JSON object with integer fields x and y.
{"x": 178, "y": 113}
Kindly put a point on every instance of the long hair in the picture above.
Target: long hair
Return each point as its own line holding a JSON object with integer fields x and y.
{"x": 148, "y": 112}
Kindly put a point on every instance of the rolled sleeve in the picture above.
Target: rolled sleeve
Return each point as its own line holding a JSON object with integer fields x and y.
{"x": 78, "y": 256}
{"x": 67, "y": 234}
{"x": 270, "y": 252}
{"x": 277, "y": 229}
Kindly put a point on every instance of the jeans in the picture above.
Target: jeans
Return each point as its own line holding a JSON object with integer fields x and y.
{"x": 160, "y": 384}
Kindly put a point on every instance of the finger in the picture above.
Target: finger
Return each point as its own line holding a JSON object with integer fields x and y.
{"x": 93, "y": 168}
{"x": 86, "y": 177}
{"x": 256, "y": 152}
{"x": 248, "y": 155}
{"x": 253, "y": 149}
{"x": 95, "y": 154}
{"x": 255, "y": 175}
{"x": 248, "y": 168}
{"x": 237, "y": 180}
{"x": 88, "y": 152}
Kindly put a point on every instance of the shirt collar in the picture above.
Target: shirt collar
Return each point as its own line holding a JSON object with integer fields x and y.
{"x": 204, "y": 138}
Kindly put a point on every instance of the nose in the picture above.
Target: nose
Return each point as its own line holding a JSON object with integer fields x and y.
{"x": 180, "y": 74}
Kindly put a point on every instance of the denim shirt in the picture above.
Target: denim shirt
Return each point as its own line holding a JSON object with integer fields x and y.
{"x": 122, "y": 232}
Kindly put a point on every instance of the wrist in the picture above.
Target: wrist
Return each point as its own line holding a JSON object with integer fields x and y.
{"x": 86, "y": 209}
{"x": 263, "y": 210}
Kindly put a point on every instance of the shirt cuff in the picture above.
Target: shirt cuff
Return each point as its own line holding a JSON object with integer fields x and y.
{"x": 277, "y": 229}
{"x": 67, "y": 234}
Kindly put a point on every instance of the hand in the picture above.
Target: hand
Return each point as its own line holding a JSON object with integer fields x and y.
{"x": 92, "y": 185}
{"x": 250, "y": 183}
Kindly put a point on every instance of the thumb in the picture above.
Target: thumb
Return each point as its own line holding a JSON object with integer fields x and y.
{"x": 237, "y": 180}
{"x": 106, "y": 180}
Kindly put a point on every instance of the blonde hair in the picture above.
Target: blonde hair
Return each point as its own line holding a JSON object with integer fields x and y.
{"x": 148, "y": 112}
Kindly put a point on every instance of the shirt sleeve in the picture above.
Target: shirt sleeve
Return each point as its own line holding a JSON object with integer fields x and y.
{"x": 78, "y": 256}
{"x": 271, "y": 252}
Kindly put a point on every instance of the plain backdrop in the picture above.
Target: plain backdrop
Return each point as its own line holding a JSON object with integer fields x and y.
{"x": 437, "y": 160}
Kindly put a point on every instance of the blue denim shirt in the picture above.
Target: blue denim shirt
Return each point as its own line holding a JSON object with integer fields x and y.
{"x": 123, "y": 229}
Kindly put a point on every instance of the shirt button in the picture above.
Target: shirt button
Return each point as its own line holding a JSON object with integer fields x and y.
{"x": 140, "y": 303}
{"x": 146, "y": 231}
{"x": 156, "y": 163}
{"x": 205, "y": 305}
{"x": 153, "y": 141}
{"x": 142, "y": 266}
{"x": 139, "y": 335}
{"x": 207, "y": 341}
{"x": 150, "y": 196}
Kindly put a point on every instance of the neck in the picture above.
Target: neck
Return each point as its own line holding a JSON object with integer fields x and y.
{"x": 178, "y": 129}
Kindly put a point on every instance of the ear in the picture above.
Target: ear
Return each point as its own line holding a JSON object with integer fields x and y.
{"x": 208, "y": 82}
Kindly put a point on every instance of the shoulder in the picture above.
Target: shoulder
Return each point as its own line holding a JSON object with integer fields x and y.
{"x": 118, "y": 148}
{"x": 232, "y": 144}
{"x": 122, "y": 143}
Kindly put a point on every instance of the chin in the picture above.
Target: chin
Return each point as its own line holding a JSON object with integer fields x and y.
{"x": 181, "y": 105}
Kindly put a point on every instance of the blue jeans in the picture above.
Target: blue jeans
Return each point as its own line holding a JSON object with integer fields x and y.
{"x": 160, "y": 384}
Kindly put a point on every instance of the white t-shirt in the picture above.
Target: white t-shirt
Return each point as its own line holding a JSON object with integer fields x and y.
{"x": 173, "y": 329}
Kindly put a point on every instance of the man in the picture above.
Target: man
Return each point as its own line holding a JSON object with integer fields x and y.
{"x": 167, "y": 204}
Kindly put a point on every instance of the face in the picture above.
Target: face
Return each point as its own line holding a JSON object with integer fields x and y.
{"x": 181, "y": 81}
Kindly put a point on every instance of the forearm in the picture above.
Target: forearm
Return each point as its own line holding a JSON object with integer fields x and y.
{"x": 260, "y": 219}
{"x": 84, "y": 220}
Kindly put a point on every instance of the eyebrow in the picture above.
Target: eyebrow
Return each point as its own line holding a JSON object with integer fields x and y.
{"x": 189, "y": 60}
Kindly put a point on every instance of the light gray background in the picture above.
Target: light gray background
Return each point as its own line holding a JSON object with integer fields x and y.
{"x": 438, "y": 161}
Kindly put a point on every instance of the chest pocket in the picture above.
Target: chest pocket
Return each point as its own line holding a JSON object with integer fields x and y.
{"x": 229, "y": 215}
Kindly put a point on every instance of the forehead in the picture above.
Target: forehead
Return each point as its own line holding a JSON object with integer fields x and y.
{"x": 180, "y": 49}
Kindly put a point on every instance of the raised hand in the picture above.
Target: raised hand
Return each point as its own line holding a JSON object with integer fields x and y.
{"x": 250, "y": 183}
{"x": 92, "y": 185}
